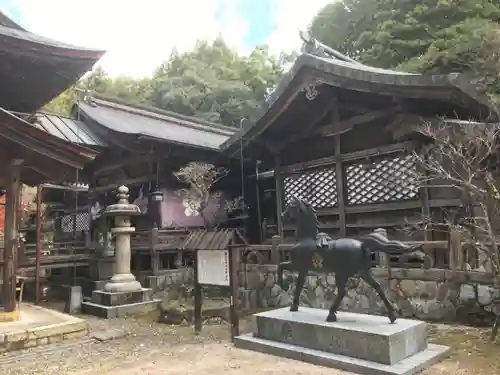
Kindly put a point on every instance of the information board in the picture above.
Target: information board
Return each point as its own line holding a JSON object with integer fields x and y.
{"x": 213, "y": 267}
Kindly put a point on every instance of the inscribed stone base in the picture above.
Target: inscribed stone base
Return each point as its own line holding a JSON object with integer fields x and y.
{"x": 368, "y": 337}
{"x": 119, "y": 304}
{"x": 370, "y": 344}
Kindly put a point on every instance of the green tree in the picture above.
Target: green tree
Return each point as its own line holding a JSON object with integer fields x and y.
{"x": 211, "y": 82}
{"x": 340, "y": 24}
{"x": 99, "y": 81}
{"x": 214, "y": 83}
{"x": 439, "y": 36}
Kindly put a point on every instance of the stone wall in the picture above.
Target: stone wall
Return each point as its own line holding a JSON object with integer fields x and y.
{"x": 414, "y": 299}
{"x": 174, "y": 283}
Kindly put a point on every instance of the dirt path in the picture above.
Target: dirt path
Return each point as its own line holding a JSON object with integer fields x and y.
{"x": 215, "y": 359}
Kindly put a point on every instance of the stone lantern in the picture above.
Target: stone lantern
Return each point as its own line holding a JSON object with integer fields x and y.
{"x": 122, "y": 280}
{"x": 122, "y": 295}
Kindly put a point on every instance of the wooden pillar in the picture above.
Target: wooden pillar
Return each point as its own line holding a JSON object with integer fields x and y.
{"x": 278, "y": 176}
{"x": 339, "y": 175}
{"x": 456, "y": 252}
{"x": 426, "y": 209}
{"x": 19, "y": 224}
{"x": 11, "y": 235}
{"x": 38, "y": 244}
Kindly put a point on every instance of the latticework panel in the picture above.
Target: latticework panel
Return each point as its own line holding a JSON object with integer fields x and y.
{"x": 384, "y": 181}
{"x": 82, "y": 222}
{"x": 316, "y": 187}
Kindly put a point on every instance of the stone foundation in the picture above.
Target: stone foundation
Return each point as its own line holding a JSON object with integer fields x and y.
{"x": 168, "y": 281}
{"x": 427, "y": 300}
{"x": 120, "y": 304}
{"x": 358, "y": 343}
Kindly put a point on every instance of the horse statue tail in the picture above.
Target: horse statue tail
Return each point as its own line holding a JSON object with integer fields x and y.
{"x": 378, "y": 241}
{"x": 281, "y": 267}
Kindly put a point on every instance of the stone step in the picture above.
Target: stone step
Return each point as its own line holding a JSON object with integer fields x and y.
{"x": 408, "y": 366}
{"x": 367, "y": 337}
{"x": 100, "y": 297}
{"x": 109, "y": 312}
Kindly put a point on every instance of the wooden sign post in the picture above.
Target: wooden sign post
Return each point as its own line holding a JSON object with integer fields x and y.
{"x": 217, "y": 267}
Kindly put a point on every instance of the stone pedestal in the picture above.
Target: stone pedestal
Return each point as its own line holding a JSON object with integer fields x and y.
{"x": 120, "y": 304}
{"x": 122, "y": 294}
{"x": 360, "y": 343}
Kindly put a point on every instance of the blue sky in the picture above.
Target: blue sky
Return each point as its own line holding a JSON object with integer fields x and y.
{"x": 139, "y": 34}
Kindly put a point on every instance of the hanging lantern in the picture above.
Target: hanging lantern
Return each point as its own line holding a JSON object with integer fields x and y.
{"x": 157, "y": 195}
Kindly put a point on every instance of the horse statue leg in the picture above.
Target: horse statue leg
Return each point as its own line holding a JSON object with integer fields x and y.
{"x": 367, "y": 276}
{"x": 341, "y": 292}
{"x": 299, "y": 285}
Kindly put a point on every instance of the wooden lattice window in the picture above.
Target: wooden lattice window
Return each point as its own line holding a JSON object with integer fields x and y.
{"x": 388, "y": 180}
{"x": 316, "y": 187}
{"x": 82, "y": 222}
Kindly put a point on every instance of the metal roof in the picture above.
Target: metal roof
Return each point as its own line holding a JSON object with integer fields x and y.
{"x": 155, "y": 124}
{"x": 66, "y": 128}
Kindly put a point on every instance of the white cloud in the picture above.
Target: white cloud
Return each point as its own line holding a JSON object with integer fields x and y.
{"x": 138, "y": 35}
{"x": 290, "y": 16}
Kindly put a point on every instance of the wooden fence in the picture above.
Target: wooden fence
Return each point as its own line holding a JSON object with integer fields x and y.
{"x": 463, "y": 260}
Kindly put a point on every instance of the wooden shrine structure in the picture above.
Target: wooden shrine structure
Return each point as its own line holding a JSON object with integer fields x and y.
{"x": 33, "y": 70}
{"x": 335, "y": 132}
{"x": 140, "y": 147}
{"x": 341, "y": 135}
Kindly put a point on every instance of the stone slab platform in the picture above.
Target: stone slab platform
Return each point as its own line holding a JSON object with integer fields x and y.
{"x": 367, "y": 337}
{"x": 409, "y": 366}
{"x": 100, "y": 297}
{"x": 39, "y": 326}
{"x": 120, "y": 311}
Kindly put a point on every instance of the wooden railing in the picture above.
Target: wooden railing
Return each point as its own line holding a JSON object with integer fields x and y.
{"x": 53, "y": 255}
{"x": 158, "y": 242}
{"x": 158, "y": 239}
{"x": 415, "y": 266}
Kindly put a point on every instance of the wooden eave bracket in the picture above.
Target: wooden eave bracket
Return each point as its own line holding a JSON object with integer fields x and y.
{"x": 403, "y": 125}
{"x": 344, "y": 126}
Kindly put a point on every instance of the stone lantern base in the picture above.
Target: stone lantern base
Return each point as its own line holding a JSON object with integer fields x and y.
{"x": 120, "y": 304}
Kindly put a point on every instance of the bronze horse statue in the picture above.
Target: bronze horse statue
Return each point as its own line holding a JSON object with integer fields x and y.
{"x": 345, "y": 257}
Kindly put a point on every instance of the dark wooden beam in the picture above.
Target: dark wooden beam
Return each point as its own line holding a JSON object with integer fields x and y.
{"x": 126, "y": 182}
{"x": 346, "y": 125}
{"x": 280, "y": 199}
{"x": 330, "y": 105}
{"x": 343, "y": 126}
{"x": 404, "y": 125}
{"x": 42, "y": 147}
{"x": 107, "y": 165}
{"x": 340, "y": 180}
{"x": 352, "y": 156}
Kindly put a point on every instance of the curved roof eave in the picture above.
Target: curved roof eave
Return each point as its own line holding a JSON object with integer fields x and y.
{"x": 35, "y": 69}
{"x": 325, "y": 68}
{"x": 25, "y": 134}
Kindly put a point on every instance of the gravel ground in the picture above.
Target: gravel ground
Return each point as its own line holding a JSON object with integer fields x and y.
{"x": 144, "y": 339}
{"x": 155, "y": 349}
